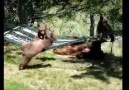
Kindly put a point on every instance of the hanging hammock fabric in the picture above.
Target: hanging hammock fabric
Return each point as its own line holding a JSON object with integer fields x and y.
{"x": 27, "y": 33}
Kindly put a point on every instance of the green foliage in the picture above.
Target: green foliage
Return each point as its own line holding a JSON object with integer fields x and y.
{"x": 10, "y": 9}
{"x": 48, "y": 9}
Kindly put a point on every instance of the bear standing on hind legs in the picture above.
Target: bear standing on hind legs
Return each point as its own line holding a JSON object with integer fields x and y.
{"x": 104, "y": 29}
{"x": 31, "y": 49}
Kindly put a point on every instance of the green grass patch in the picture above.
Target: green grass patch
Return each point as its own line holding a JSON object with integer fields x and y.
{"x": 12, "y": 85}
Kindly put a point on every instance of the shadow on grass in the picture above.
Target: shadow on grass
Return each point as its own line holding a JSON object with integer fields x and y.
{"x": 37, "y": 66}
{"x": 102, "y": 70}
{"x": 19, "y": 52}
{"x": 74, "y": 61}
{"x": 45, "y": 58}
{"x": 93, "y": 74}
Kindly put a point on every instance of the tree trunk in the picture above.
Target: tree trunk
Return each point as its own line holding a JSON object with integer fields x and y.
{"x": 92, "y": 25}
{"x": 22, "y": 12}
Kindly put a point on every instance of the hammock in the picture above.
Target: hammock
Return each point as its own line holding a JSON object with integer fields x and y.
{"x": 27, "y": 32}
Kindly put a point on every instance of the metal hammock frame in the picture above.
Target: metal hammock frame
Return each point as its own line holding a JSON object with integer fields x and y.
{"x": 27, "y": 33}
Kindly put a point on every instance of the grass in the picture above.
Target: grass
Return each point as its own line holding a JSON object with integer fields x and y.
{"x": 13, "y": 85}
{"x": 48, "y": 71}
